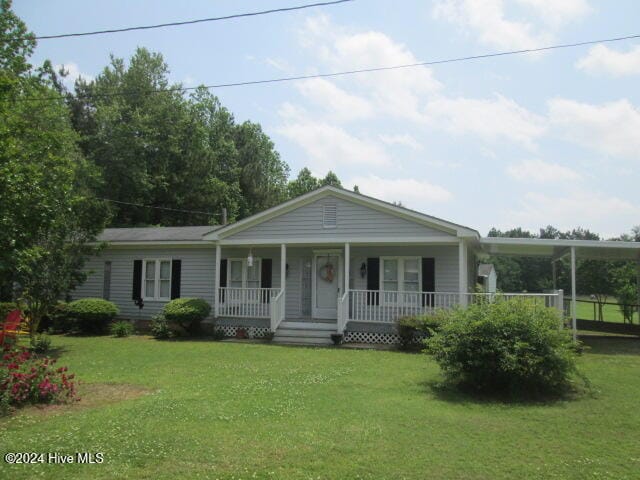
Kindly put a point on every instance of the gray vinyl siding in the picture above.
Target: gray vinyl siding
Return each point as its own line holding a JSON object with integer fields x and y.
{"x": 197, "y": 276}
{"x": 352, "y": 220}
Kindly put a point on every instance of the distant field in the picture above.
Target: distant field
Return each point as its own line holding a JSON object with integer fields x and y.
{"x": 612, "y": 313}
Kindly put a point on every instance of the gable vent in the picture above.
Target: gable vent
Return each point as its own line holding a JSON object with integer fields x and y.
{"x": 329, "y": 215}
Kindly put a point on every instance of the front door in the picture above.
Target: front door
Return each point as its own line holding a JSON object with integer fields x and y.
{"x": 327, "y": 281}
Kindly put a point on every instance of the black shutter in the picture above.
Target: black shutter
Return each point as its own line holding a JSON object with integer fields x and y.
{"x": 428, "y": 280}
{"x": 265, "y": 278}
{"x": 373, "y": 281}
{"x": 137, "y": 280}
{"x": 176, "y": 267}
{"x": 223, "y": 277}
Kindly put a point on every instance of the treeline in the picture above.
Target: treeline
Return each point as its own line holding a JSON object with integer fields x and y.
{"x": 600, "y": 278}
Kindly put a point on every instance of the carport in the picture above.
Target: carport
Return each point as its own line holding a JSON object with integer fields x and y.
{"x": 558, "y": 249}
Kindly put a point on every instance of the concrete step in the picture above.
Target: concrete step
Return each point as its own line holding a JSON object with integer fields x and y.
{"x": 302, "y": 340}
{"x": 328, "y": 327}
{"x": 294, "y": 332}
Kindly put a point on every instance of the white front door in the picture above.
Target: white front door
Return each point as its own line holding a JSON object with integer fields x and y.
{"x": 327, "y": 284}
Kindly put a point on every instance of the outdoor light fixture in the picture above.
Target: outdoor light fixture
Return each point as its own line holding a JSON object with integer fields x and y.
{"x": 250, "y": 259}
{"x": 363, "y": 270}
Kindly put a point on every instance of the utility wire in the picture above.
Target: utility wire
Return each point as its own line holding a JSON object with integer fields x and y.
{"x": 343, "y": 73}
{"x": 157, "y": 208}
{"x": 191, "y": 22}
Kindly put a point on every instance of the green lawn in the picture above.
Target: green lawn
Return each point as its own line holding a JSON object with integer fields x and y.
{"x": 200, "y": 409}
{"x": 611, "y": 313}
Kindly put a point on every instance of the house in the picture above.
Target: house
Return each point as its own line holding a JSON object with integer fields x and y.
{"x": 328, "y": 261}
{"x": 487, "y": 278}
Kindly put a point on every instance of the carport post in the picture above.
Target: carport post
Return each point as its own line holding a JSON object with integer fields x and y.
{"x": 574, "y": 322}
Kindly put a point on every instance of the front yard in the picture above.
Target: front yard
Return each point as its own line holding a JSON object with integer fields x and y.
{"x": 200, "y": 409}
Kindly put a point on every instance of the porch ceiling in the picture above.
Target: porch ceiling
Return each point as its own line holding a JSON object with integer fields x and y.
{"x": 533, "y": 247}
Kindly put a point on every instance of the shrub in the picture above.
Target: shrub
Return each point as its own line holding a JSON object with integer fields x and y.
{"x": 25, "y": 378}
{"x": 187, "y": 312}
{"x": 507, "y": 346}
{"x": 40, "y": 343}
{"x": 218, "y": 334}
{"x": 92, "y": 315}
{"x": 58, "y": 319}
{"x": 627, "y": 299}
{"x": 122, "y": 328}
{"x": 413, "y": 329}
{"x": 160, "y": 327}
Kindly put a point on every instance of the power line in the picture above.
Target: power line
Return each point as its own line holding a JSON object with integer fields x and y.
{"x": 191, "y": 22}
{"x": 342, "y": 73}
{"x": 157, "y": 208}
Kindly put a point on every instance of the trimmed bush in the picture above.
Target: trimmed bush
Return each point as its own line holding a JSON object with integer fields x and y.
{"x": 187, "y": 312}
{"x": 160, "y": 328}
{"x": 513, "y": 347}
{"x": 121, "y": 328}
{"x": 58, "y": 319}
{"x": 92, "y": 315}
{"x": 413, "y": 329}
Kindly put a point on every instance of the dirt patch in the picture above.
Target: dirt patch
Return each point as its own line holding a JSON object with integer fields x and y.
{"x": 91, "y": 395}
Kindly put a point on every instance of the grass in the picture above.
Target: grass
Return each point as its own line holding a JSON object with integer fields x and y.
{"x": 199, "y": 409}
{"x": 611, "y": 313}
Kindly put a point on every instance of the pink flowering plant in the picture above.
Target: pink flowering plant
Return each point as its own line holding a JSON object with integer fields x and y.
{"x": 28, "y": 378}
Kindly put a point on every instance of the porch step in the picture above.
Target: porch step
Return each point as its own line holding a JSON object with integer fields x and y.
{"x": 304, "y": 333}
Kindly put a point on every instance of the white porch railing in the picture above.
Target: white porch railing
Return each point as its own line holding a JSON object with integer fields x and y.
{"x": 277, "y": 310}
{"x": 343, "y": 312}
{"x": 387, "y": 307}
{"x": 246, "y": 302}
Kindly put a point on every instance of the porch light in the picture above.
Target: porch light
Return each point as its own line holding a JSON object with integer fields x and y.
{"x": 250, "y": 259}
{"x": 363, "y": 270}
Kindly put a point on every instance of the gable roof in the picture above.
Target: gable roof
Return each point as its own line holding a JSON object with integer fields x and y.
{"x": 374, "y": 203}
{"x": 155, "y": 234}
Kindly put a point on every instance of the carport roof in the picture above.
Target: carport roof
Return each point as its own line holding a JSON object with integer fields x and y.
{"x": 533, "y": 247}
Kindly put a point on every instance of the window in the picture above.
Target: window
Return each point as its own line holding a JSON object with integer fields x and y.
{"x": 106, "y": 285}
{"x": 156, "y": 276}
{"x": 401, "y": 274}
{"x": 329, "y": 215}
{"x": 240, "y": 275}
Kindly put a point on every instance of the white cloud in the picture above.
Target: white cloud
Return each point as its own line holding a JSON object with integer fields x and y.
{"x": 588, "y": 209}
{"x": 417, "y": 194}
{"x": 611, "y": 128}
{"x": 542, "y": 172}
{"x": 404, "y": 140}
{"x": 488, "y": 20}
{"x": 73, "y": 74}
{"x": 280, "y": 64}
{"x": 399, "y": 93}
{"x": 340, "y": 104}
{"x": 490, "y": 119}
{"x": 602, "y": 59}
{"x": 328, "y": 145}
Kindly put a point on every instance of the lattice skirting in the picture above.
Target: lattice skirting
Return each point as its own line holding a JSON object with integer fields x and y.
{"x": 371, "y": 337}
{"x": 252, "y": 332}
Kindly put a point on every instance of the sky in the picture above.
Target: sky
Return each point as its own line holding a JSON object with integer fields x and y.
{"x": 526, "y": 140}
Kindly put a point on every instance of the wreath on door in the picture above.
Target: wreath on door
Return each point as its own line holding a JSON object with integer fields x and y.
{"x": 327, "y": 272}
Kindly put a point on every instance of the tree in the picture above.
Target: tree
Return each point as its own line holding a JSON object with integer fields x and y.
{"x": 48, "y": 214}
{"x": 304, "y": 183}
{"x": 331, "y": 179}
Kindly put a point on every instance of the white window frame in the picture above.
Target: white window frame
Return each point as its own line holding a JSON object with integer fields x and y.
{"x": 156, "y": 280}
{"x": 401, "y": 271}
{"x": 256, "y": 261}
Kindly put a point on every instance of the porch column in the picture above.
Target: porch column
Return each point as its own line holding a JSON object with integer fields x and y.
{"x": 216, "y": 283}
{"x": 574, "y": 322}
{"x": 347, "y": 261}
{"x": 462, "y": 273}
{"x": 283, "y": 268}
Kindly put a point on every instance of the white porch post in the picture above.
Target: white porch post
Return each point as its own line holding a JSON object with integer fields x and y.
{"x": 574, "y": 322}
{"x": 216, "y": 293}
{"x": 283, "y": 269}
{"x": 347, "y": 261}
{"x": 462, "y": 273}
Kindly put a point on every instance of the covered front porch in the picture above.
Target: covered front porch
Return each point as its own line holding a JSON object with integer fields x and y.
{"x": 364, "y": 283}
